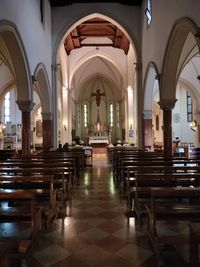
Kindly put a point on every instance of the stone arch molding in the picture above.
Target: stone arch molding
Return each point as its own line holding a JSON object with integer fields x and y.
{"x": 173, "y": 55}
{"x": 93, "y": 55}
{"x": 152, "y": 76}
{"x": 91, "y": 14}
{"x": 67, "y": 29}
{"x": 15, "y": 47}
{"x": 42, "y": 87}
{"x": 193, "y": 91}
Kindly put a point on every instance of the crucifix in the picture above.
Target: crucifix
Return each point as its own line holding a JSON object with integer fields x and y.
{"x": 98, "y": 96}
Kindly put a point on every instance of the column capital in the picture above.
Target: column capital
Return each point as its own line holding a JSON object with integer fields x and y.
{"x": 138, "y": 65}
{"x": 25, "y": 105}
{"x": 65, "y": 90}
{"x": 46, "y": 115}
{"x": 167, "y": 104}
{"x": 147, "y": 114}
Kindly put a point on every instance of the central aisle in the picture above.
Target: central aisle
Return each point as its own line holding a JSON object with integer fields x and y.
{"x": 96, "y": 232}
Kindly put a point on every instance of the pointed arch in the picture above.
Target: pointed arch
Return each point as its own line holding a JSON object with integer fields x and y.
{"x": 91, "y": 55}
{"x": 43, "y": 88}
{"x": 17, "y": 53}
{"x": 173, "y": 58}
{"x": 104, "y": 15}
{"x": 152, "y": 76}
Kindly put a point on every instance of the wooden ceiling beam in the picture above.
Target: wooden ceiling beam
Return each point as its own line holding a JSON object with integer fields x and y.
{"x": 92, "y": 23}
{"x": 96, "y": 28}
{"x": 83, "y": 36}
{"x": 97, "y": 45}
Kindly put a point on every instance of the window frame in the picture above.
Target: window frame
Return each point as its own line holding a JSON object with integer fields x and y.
{"x": 148, "y": 12}
{"x": 189, "y": 108}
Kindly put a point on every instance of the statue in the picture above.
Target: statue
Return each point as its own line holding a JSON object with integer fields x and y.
{"x": 98, "y": 96}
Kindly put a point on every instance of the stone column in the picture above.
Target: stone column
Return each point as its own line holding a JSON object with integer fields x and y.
{"x": 65, "y": 115}
{"x": 139, "y": 104}
{"x": 47, "y": 130}
{"x": 26, "y": 106}
{"x": 147, "y": 126}
{"x": 167, "y": 106}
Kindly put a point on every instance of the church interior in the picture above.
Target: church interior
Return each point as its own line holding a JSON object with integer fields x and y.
{"x": 99, "y": 133}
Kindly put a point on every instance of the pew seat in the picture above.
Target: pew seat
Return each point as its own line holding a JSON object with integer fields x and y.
{"x": 169, "y": 204}
{"x": 27, "y": 216}
{"x": 43, "y": 188}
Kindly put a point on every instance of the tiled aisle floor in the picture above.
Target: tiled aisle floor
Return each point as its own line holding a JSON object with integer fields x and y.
{"x": 96, "y": 232}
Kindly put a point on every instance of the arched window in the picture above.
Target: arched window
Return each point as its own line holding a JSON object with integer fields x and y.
{"x": 189, "y": 108}
{"x": 7, "y": 108}
{"x": 85, "y": 114}
{"x": 111, "y": 115}
{"x": 148, "y": 11}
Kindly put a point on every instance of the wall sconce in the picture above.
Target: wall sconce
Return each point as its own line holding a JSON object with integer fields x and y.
{"x": 193, "y": 126}
{"x": 65, "y": 127}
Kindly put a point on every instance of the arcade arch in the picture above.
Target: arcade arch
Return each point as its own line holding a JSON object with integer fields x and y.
{"x": 179, "y": 75}
{"x": 75, "y": 70}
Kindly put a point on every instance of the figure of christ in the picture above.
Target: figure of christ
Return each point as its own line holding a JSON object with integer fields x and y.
{"x": 98, "y": 97}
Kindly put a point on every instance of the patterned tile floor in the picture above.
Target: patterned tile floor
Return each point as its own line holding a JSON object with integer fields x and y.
{"x": 96, "y": 232}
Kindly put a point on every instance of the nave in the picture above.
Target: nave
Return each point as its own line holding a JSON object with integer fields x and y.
{"x": 97, "y": 233}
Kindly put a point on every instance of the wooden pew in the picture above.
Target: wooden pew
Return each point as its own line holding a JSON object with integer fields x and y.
{"x": 170, "y": 204}
{"x": 194, "y": 241}
{"x": 140, "y": 189}
{"x": 139, "y": 157}
{"x": 76, "y": 157}
{"x": 77, "y": 154}
{"x": 44, "y": 163}
{"x": 44, "y": 191}
{"x": 130, "y": 167}
{"x": 27, "y": 212}
{"x": 6, "y": 247}
{"x": 60, "y": 180}
{"x": 130, "y": 171}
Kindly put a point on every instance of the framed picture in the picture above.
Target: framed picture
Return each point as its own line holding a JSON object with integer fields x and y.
{"x": 131, "y": 133}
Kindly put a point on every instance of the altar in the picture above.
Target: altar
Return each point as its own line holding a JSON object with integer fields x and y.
{"x": 98, "y": 138}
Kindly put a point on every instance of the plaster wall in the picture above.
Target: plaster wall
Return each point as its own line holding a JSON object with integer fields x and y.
{"x": 5, "y": 76}
{"x": 15, "y": 113}
{"x": 25, "y": 14}
{"x": 164, "y": 14}
{"x": 181, "y": 127}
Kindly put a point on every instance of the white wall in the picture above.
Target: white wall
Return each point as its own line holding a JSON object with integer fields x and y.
{"x": 25, "y": 14}
{"x": 164, "y": 14}
{"x": 181, "y": 127}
